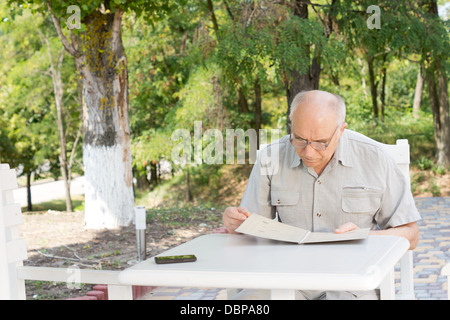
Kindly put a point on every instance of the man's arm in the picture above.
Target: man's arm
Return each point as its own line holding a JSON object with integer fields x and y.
{"x": 410, "y": 231}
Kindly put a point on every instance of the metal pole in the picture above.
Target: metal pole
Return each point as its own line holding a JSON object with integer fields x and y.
{"x": 140, "y": 233}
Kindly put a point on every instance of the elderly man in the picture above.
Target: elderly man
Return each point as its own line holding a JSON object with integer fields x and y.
{"x": 329, "y": 179}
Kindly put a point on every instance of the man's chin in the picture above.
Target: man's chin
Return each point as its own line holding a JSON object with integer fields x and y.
{"x": 310, "y": 162}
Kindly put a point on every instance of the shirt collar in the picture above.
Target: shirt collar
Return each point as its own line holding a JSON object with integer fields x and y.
{"x": 343, "y": 151}
{"x": 295, "y": 158}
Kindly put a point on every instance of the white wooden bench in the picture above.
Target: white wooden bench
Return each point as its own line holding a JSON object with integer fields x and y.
{"x": 13, "y": 252}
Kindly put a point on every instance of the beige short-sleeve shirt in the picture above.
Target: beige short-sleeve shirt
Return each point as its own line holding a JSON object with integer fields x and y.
{"x": 361, "y": 184}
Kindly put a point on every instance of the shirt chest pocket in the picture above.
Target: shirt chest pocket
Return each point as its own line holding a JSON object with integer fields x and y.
{"x": 286, "y": 202}
{"x": 360, "y": 204}
{"x": 284, "y": 197}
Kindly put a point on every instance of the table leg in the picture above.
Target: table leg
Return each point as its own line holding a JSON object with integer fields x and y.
{"x": 282, "y": 294}
{"x": 387, "y": 286}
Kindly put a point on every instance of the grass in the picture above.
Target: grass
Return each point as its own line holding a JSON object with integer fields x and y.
{"x": 184, "y": 216}
{"x": 57, "y": 205}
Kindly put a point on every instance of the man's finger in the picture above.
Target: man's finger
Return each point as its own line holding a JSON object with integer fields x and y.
{"x": 234, "y": 213}
{"x": 244, "y": 211}
{"x": 346, "y": 227}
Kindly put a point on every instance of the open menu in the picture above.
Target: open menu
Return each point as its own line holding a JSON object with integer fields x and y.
{"x": 259, "y": 226}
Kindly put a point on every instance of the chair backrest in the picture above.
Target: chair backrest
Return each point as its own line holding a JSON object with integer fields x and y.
{"x": 400, "y": 153}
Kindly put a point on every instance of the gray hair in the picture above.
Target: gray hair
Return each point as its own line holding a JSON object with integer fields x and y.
{"x": 339, "y": 106}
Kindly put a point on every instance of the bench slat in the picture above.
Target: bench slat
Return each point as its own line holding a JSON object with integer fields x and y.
{"x": 12, "y": 215}
{"x": 8, "y": 179}
{"x": 16, "y": 250}
{"x": 67, "y": 275}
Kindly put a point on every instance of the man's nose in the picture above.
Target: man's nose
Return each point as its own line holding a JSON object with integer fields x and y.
{"x": 309, "y": 151}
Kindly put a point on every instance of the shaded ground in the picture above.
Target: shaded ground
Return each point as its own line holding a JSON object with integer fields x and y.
{"x": 59, "y": 239}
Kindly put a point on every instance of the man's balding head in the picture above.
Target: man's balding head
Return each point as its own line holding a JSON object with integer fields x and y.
{"x": 317, "y": 116}
{"x": 321, "y": 103}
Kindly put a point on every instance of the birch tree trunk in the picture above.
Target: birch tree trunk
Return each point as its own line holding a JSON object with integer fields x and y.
{"x": 418, "y": 93}
{"x": 101, "y": 61}
{"x": 109, "y": 199}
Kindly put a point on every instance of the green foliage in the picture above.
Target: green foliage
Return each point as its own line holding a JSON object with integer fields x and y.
{"x": 182, "y": 70}
{"x": 27, "y": 104}
{"x": 424, "y": 163}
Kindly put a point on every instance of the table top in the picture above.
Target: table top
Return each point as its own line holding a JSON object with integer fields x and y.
{"x": 241, "y": 261}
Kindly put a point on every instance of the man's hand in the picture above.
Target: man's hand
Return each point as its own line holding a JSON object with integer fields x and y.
{"x": 346, "y": 227}
{"x": 233, "y": 217}
{"x": 410, "y": 231}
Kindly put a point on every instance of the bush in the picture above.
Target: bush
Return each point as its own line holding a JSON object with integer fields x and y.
{"x": 419, "y": 132}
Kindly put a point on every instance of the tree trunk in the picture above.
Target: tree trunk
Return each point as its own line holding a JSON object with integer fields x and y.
{"x": 109, "y": 199}
{"x": 188, "y": 186}
{"x": 154, "y": 173}
{"x": 29, "y": 202}
{"x": 258, "y": 113}
{"x": 58, "y": 93}
{"x": 437, "y": 87}
{"x": 373, "y": 87}
{"x": 242, "y": 101}
{"x": 418, "y": 93}
{"x": 443, "y": 154}
{"x": 383, "y": 87}
{"x": 363, "y": 76}
{"x": 100, "y": 58}
{"x": 297, "y": 81}
{"x": 440, "y": 108}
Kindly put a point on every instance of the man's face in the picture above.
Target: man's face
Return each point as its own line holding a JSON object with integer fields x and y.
{"x": 313, "y": 126}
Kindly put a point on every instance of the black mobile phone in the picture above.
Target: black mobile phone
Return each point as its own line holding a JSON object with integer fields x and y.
{"x": 175, "y": 259}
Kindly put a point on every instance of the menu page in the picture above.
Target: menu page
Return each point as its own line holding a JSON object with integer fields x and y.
{"x": 259, "y": 226}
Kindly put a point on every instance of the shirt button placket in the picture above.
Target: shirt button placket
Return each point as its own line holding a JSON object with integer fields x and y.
{"x": 317, "y": 214}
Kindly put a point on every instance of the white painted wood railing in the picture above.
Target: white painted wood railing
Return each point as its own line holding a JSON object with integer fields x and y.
{"x": 13, "y": 252}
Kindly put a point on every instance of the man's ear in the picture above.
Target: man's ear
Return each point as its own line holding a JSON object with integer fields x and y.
{"x": 344, "y": 125}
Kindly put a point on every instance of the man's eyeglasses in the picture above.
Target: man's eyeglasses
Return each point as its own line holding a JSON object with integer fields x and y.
{"x": 301, "y": 144}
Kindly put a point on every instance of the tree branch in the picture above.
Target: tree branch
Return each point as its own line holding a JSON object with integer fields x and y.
{"x": 68, "y": 46}
{"x": 116, "y": 29}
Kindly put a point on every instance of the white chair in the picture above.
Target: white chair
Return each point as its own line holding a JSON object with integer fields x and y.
{"x": 401, "y": 155}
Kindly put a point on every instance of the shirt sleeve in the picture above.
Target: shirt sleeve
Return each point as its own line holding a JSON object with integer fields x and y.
{"x": 398, "y": 206}
{"x": 256, "y": 197}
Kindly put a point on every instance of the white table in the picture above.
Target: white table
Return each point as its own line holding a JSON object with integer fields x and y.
{"x": 240, "y": 261}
